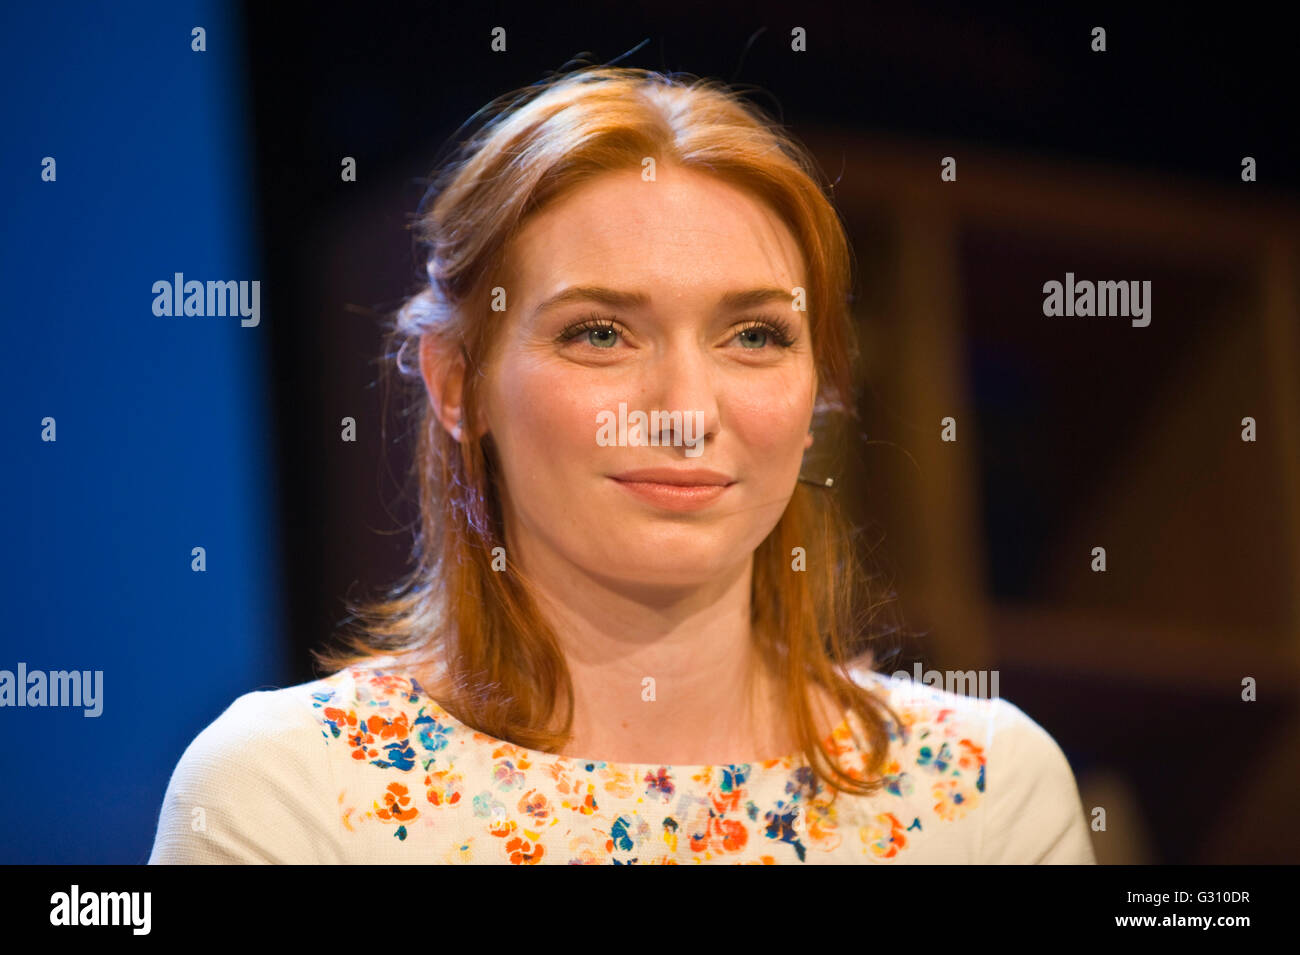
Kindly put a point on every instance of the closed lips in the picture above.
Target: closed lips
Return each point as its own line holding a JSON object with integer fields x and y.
{"x": 697, "y": 478}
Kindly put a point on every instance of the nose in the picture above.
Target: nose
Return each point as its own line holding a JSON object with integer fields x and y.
{"x": 684, "y": 379}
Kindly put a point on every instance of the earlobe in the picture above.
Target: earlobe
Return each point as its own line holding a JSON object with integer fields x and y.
{"x": 808, "y": 441}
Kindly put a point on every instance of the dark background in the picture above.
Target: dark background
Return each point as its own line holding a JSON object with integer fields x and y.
{"x": 389, "y": 85}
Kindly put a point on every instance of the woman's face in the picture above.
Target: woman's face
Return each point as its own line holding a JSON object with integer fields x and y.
{"x": 667, "y": 330}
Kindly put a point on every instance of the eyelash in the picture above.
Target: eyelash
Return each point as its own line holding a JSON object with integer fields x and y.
{"x": 781, "y": 332}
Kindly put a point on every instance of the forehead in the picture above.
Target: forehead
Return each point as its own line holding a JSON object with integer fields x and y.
{"x": 686, "y": 234}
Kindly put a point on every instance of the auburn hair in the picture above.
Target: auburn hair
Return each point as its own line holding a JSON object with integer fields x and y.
{"x": 504, "y": 669}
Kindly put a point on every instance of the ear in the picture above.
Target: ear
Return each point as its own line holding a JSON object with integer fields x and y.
{"x": 443, "y": 371}
{"x": 808, "y": 441}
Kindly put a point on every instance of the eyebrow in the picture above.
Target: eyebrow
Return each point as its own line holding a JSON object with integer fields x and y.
{"x": 731, "y": 301}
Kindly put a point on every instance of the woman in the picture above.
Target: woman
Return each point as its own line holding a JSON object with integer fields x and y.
{"x": 629, "y": 634}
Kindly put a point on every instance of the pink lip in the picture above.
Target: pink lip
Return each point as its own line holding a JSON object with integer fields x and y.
{"x": 684, "y": 477}
{"x": 675, "y": 489}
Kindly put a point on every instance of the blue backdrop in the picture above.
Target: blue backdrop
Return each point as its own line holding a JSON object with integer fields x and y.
{"x": 163, "y": 425}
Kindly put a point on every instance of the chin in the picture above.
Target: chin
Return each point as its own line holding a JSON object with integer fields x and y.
{"x": 653, "y": 561}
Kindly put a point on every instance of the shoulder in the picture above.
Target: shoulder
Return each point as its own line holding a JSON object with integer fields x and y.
{"x": 380, "y": 683}
{"x": 379, "y": 698}
{"x": 1024, "y": 787}
{"x": 988, "y": 721}
{"x": 260, "y": 724}
{"x": 268, "y": 725}
{"x": 260, "y": 784}
{"x": 1038, "y": 815}
{"x": 249, "y": 787}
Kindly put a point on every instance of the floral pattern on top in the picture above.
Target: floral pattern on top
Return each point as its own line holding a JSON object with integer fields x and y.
{"x": 451, "y": 794}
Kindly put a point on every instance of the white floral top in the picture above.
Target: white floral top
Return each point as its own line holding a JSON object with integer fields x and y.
{"x": 363, "y": 767}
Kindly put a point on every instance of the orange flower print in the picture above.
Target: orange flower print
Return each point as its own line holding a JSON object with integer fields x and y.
{"x": 342, "y": 721}
{"x": 971, "y": 757}
{"x": 386, "y": 685}
{"x": 535, "y": 805}
{"x": 619, "y": 783}
{"x": 884, "y": 836}
{"x": 359, "y": 741}
{"x": 559, "y": 772}
{"x": 523, "y": 851}
{"x": 444, "y": 788}
{"x": 514, "y": 753}
{"x": 339, "y": 720}
{"x": 399, "y": 728}
{"x": 396, "y": 801}
{"x": 397, "y": 808}
{"x": 763, "y": 813}
{"x": 720, "y": 836}
{"x": 730, "y": 789}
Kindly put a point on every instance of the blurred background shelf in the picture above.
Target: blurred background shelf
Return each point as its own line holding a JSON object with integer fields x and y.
{"x": 1074, "y": 433}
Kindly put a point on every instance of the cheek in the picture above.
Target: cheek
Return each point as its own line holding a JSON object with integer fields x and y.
{"x": 772, "y": 413}
{"x": 552, "y": 417}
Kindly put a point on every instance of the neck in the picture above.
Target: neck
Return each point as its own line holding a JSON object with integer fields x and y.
{"x": 660, "y": 673}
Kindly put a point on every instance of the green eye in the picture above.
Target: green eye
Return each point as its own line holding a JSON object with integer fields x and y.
{"x": 600, "y": 332}
{"x": 756, "y": 335}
